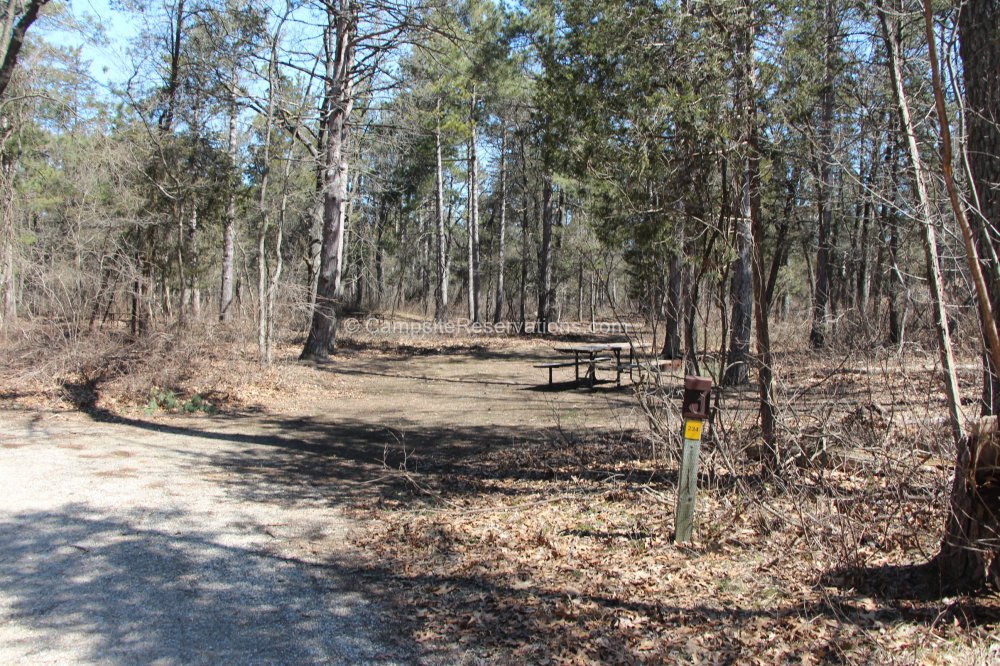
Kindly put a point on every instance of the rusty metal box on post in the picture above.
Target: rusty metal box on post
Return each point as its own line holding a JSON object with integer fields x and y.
{"x": 697, "y": 391}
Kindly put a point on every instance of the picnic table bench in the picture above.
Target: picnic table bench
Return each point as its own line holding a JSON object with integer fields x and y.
{"x": 652, "y": 365}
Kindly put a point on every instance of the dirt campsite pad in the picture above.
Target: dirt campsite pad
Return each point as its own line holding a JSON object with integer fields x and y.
{"x": 128, "y": 536}
{"x": 435, "y": 501}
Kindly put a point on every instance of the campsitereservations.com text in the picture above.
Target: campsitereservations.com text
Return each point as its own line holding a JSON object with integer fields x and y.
{"x": 457, "y": 327}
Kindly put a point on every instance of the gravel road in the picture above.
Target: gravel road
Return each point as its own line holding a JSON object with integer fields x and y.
{"x": 134, "y": 543}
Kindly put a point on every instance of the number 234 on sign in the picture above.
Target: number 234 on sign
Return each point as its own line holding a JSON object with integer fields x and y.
{"x": 692, "y": 430}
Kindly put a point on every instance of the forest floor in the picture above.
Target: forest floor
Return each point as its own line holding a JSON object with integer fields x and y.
{"x": 492, "y": 518}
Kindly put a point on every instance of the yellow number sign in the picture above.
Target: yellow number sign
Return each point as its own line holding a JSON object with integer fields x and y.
{"x": 692, "y": 430}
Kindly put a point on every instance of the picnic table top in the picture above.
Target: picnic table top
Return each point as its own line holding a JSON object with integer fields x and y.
{"x": 592, "y": 347}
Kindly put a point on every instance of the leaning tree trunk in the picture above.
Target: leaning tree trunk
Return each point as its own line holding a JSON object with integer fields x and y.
{"x": 13, "y": 37}
{"x": 340, "y": 66}
{"x": 893, "y": 41}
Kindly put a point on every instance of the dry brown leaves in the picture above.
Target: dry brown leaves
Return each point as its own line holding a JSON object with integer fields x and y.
{"x": 562, "y": 552}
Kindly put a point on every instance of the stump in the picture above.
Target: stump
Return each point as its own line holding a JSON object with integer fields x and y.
{"x": 970, "y": 552}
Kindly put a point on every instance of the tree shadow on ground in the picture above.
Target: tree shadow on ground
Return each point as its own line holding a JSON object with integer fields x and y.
{"x": 915, "y": 588}
{"x": 541, "y": 622}
{"x": 296, "y": 459}
{"x": 99, "y": 589}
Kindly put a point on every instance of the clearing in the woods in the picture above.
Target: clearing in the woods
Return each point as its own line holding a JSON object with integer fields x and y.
{"x": 432, "y": 499}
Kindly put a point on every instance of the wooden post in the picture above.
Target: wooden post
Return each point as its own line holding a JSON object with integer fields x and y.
{"x": 687, "y": 484}
{"x": 695, "y": 410}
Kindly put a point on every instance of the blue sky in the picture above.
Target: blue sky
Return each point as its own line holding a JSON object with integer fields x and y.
{"x": 110, "y": 62}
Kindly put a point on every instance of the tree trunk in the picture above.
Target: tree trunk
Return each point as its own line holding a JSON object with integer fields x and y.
{"x": 691, "y": 286}
{"x": 315, "y": 246}
{"x": 824, "y": 198}
{"x": 740, "y": 324}
{"x": 502, "y": 231}
{"x": 229, "y": 224}
{"x": 265, "y": 311}
{"x": 523, "y": 286}
{"x": 344, "y": 243}
{"x": 762, "y": 308}
{"x": 272, "y": 285}
{"x": 672, "y": 302}
{"x": 340, "y": 68}
{"x": 979, "y": 25}
{"x": 441, "y": 290}
{"x": 192, "y": 295}
{"x": 8, "y": 283}
{"x": 896, "y": 287}
{"x": 545, "y": 257}
{"x": 781, "y": 240}
{"x": 13, "y": 37}
{"x": 736, "y": 371}
{"x": 380, "y": 221}
{"x": 474, "y": 272}
{"x": 470, "y": 295}
{"x": 263, "y": 314}
{"x": 863, "y": 280}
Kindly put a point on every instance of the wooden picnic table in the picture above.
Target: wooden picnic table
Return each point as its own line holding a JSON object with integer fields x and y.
{"x": 590, "y": 354}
